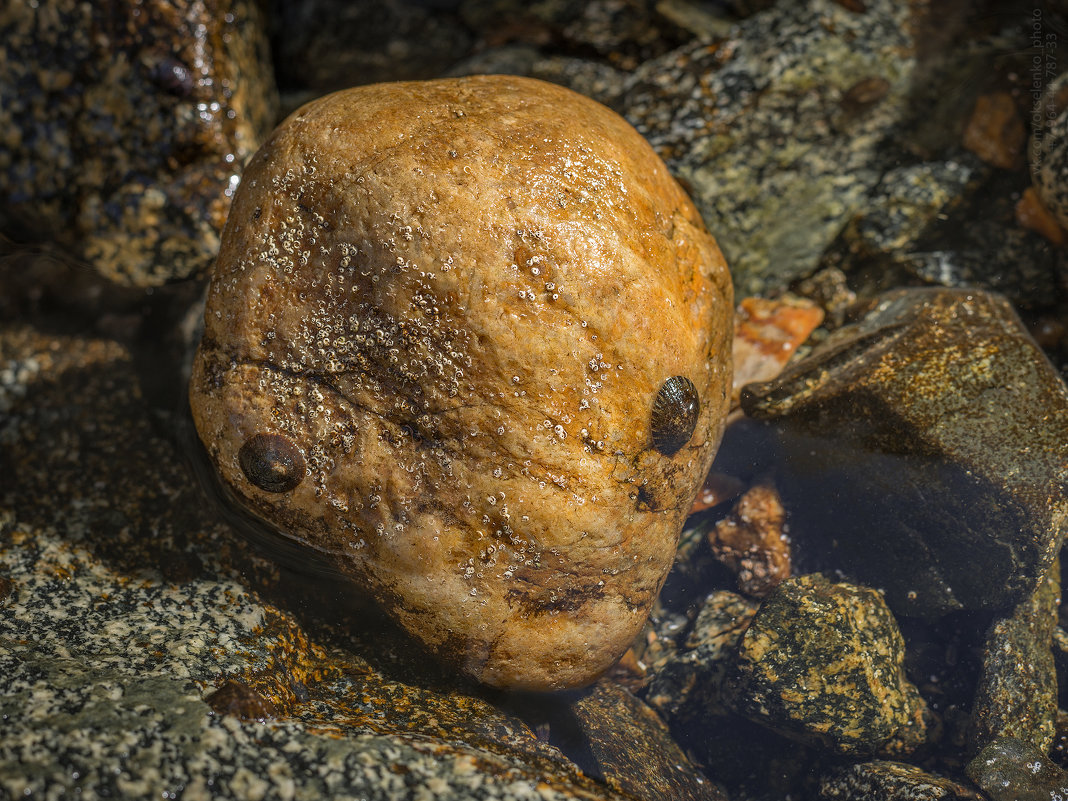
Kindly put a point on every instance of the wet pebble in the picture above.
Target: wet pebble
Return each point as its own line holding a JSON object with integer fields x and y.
{"x": 824, "y": 663}
{"x": 1008, "y": 769}
{"x": 486, "y": 382}
{"x": 752, "y": 541}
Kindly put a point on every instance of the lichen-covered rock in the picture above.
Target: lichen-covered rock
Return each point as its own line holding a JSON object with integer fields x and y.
{"x": 126, "y": 126}
{"x": 471, "y": 339}
{"x": 824, "y": 663}
{"x": 1017, "y": 691}
{"x": 891, "y": 781}
{"x": 1008, "y": 769}
{"x": 924, "y": 451}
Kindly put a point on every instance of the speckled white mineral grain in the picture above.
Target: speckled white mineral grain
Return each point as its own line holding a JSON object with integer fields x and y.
{"x": 470, "y": 337}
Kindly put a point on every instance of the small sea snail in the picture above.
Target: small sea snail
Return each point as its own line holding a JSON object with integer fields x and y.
{"x": 272, "y": 462}
{"x": 458, "y": 301}
{"x": 674, "y": 416}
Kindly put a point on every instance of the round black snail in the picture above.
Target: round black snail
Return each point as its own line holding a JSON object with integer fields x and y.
{"x": 674, "y": 416}
{"x": 272, "y": 462}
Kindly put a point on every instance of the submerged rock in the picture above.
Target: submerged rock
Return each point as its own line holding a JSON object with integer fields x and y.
{"x": 1008, "y": 769}
{"x": 752, "y": 541}
{"x": 824, "y": 663}
{"x": 924, "y": 451}
{"x": 126, "y": 127}
{"x": 487, "y": 381}
{"x": 633, "y": 750}
{"x": 891, "y": 781}
{"x": 1017, "y": 691}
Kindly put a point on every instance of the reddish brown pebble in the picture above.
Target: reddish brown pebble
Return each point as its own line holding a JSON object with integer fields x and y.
{"x": 1033, "y": 215}
{"x": 995, "y": 132}
{"x": 237, "y": 699}
{"x": 752, "y": 542}
{"x": 766, "y": 334}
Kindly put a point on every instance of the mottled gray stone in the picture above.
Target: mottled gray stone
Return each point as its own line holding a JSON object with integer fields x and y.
{"x": 824, "y": 663}
{"x": 1012, "y": 770}
{"x": 891, "y": 781}
{"x": 1017, "y": 691}
{"x": 924, "y": 451}
{"x": 779, "y": 130}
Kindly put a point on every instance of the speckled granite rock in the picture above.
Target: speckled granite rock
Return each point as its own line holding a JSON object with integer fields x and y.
{"x": 1049, "y": 146}
{"x": 125, "y": 604}
{"x": 1012, "y": 770}
{"x": 488, "y": 380}
{"x": 125, "y": 128}
{"x": 891, "y": 781}
{"x": 1017, "y": 691}
{"x": 778, "y": 130}
{"x": 924, "y": 451}
{"x": 823, "y": 662}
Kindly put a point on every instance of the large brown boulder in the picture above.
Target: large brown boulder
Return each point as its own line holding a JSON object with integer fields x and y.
{"x": 470, "y": 338}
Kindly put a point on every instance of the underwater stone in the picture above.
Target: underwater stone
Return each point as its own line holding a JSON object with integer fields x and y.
{"x": 824, "y": 663}
{"x": 1017, "y": 691}
{"x": 1008, "y": 769}
{"x": 633, "y": 750}
{"x": 924, "y": 451}
{"x": 459, "y": 299}
{"x": 891, "y": 781}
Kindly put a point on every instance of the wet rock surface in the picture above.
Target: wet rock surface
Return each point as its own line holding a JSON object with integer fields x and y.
{"x": 127, "y": 126}
{"x": 826, "y": 80}
{"x": 153, "y": 641}
{"x": 633, "y": 749}
{"x": 909, "y": 441}
{"x": 1008, "y": 769}
{"x": 823, "y": 662}
{"x": 492, "y": 407}
{"x": 1016, "y": 695}
{"x": 892, "y": 781}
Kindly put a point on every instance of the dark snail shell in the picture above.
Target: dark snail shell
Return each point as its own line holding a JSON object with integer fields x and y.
{"x": 272, "y": 462}
{"x": 674, "y": 415}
